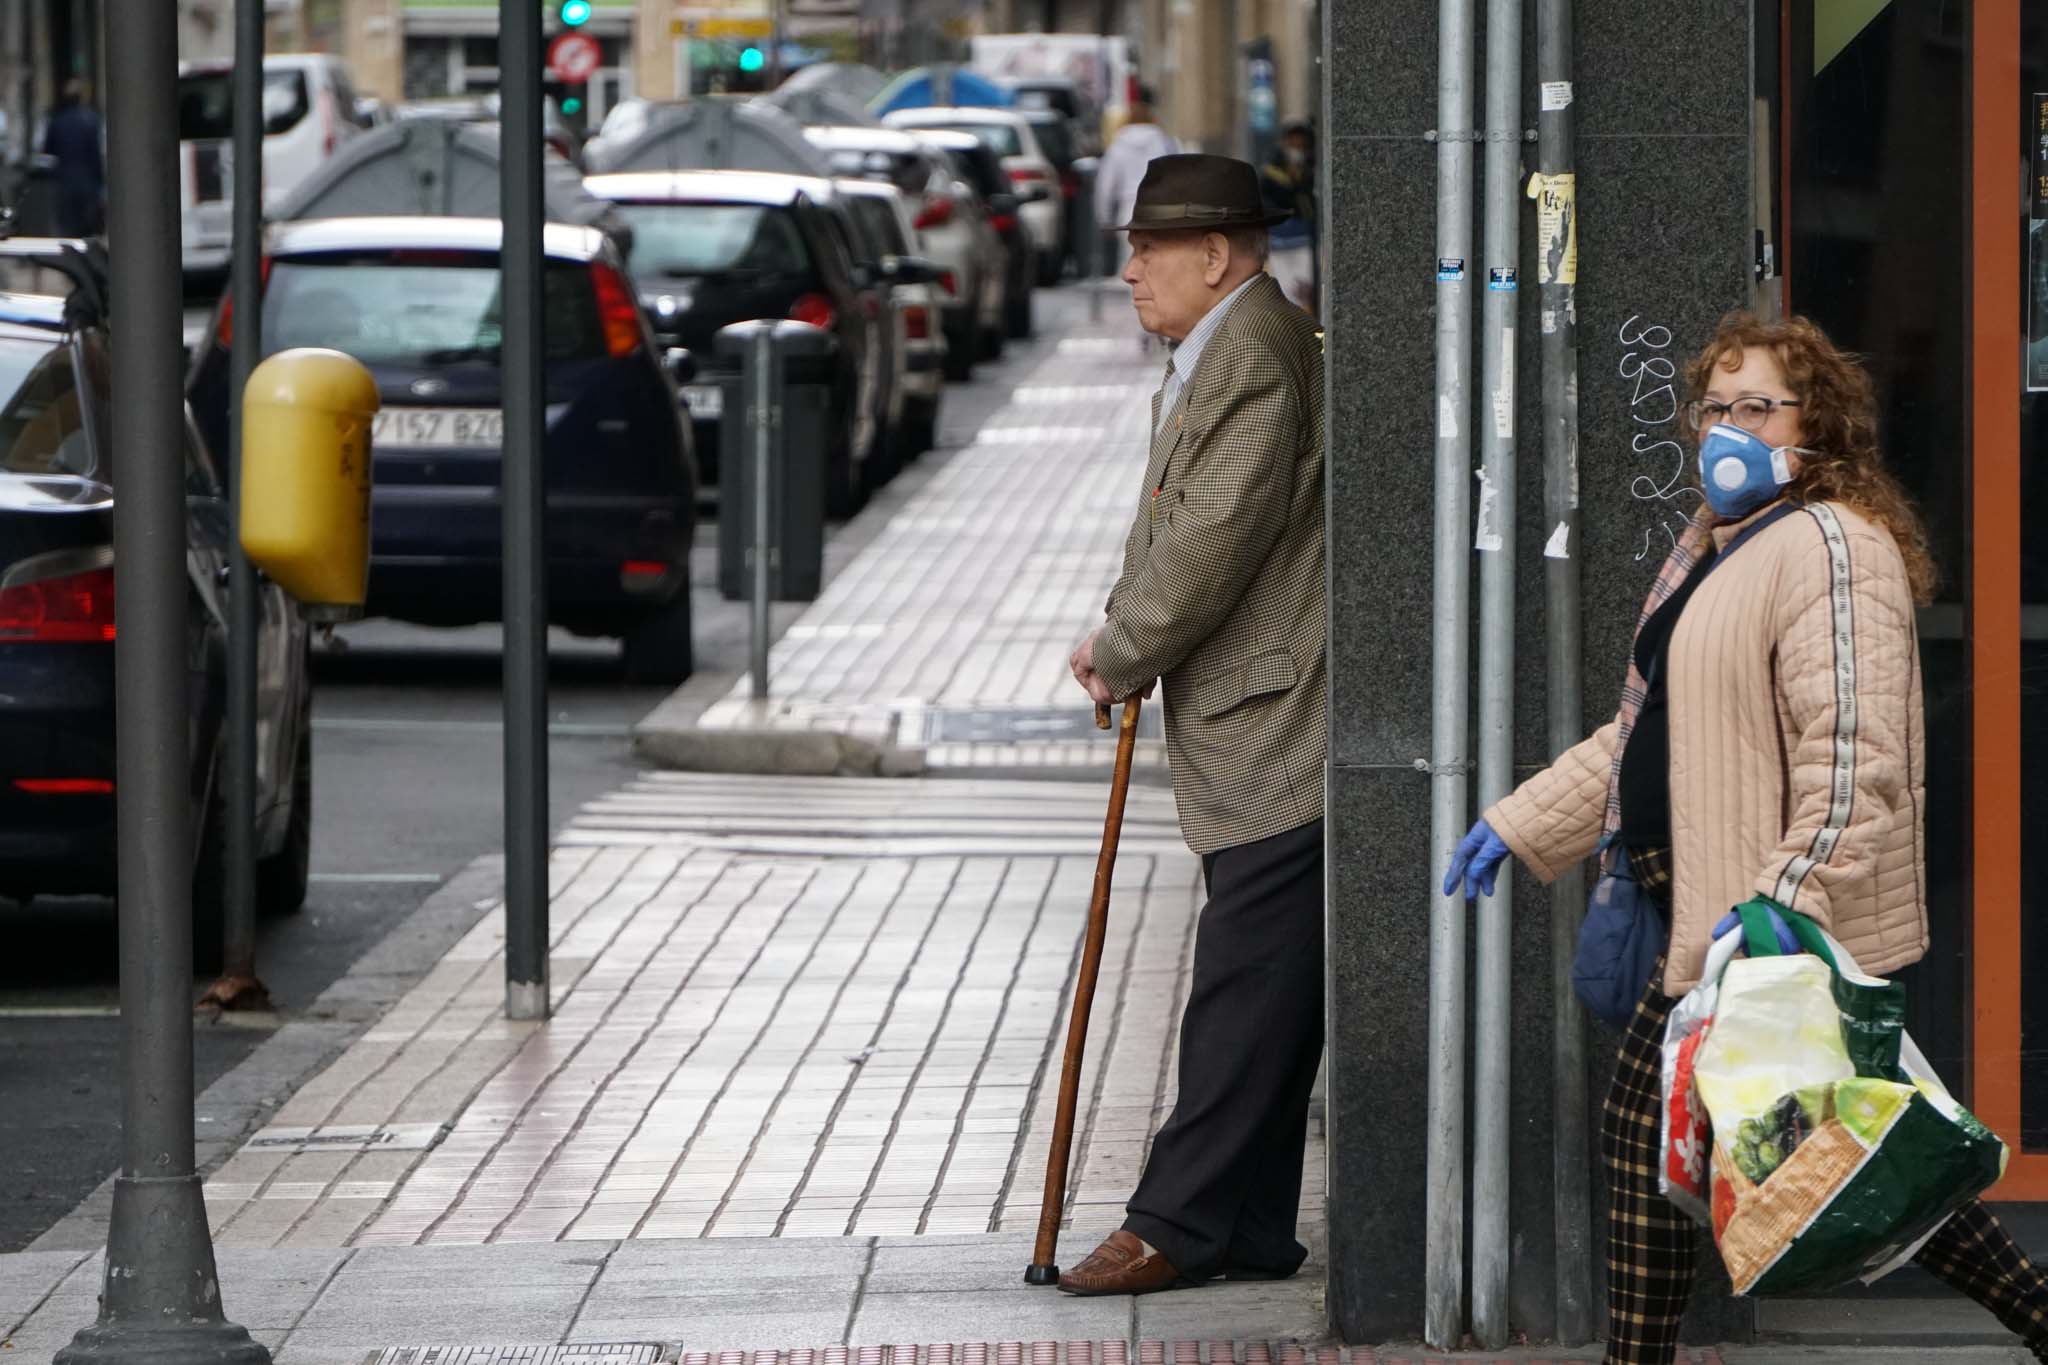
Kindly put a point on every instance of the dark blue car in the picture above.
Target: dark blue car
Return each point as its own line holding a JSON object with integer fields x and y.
{"x": 416, "y": 300}
{"x": 59, "y": 480}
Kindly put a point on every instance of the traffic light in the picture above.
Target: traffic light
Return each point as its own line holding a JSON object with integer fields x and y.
{"x": 574, "y": 13}
{"x": 572, "y": 105}
{"x": 752, "y": 59}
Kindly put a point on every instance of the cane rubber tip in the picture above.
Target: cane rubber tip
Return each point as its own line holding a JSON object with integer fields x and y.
{"x": 1042, "y": 1275}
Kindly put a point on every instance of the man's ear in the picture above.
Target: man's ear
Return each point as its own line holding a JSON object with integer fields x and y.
{"x": 1215, "y": 258}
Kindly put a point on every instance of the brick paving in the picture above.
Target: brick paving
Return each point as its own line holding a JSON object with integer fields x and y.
{"x": 972, "y": 598}
{"x": 784, "y": 1008}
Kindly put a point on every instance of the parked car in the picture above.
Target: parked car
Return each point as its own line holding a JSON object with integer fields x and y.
{"x": 309, "y": 109}
{"x": 953, "y": 231}
{"x": 416, "y": 300}
{"x": 1056, "y": 135}
{"x": 884, "y": 213}
{"x": 59, "y": 481}
{"x": 1034, "y": 178}
{"x": 712, "y": 248}
{"x": 978, "y": 166}
{"x": 1067, "y": 99}
{"x": 555, "y": 128}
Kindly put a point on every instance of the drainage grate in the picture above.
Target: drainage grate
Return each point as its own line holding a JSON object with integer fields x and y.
{"x": 587, "y": 1353}
{"x": 1014, "y": 725}
{"x": 349, "y": 1137}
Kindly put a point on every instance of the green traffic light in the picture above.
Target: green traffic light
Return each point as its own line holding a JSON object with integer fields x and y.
{"x": 572, "y": 105}
{"x": 574, "y": 13}
{"x": 752, "y": 60}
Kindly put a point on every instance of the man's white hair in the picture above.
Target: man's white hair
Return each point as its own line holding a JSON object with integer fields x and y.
{"x": 1254, "y": 243}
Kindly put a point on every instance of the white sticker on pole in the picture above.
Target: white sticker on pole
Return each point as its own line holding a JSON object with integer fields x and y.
{"x": 1446, "y": 417}
{"x": 1504, "y": 389}
{"x": 1556, "y": 95}
{"x": 1488, "y": 536}
{"x": 1559, "y": 545}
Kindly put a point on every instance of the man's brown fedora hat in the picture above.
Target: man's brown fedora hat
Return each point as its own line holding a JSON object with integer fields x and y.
{"x": 1200, "y": 192}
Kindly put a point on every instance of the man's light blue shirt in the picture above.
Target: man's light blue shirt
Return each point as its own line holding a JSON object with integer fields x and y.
{"x": 1180, "y": 368}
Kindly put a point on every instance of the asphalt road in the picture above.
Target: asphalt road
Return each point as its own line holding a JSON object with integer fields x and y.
{"x": 407, "y": 761}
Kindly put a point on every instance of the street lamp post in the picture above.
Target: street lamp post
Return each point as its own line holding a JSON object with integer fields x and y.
{"x": 160, "y": 1300}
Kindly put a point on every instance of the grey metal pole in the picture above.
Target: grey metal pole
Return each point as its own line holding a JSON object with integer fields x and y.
{"x": 238, "y": 987}
{"x": 526, "y": 602}
{"x": 160, "y": 1296}
{"x": 763, "y": 418}
{"x": 1564, "y": 688}
{"x": 1493, "y": 1016}
{"x": 1444, "y": 1219}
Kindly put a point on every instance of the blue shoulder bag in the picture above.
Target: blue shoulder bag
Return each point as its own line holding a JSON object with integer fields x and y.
{"x": 1625, "y": 932}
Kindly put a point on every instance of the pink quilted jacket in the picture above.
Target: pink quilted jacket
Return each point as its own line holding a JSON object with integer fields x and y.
{"x": 1798, "y": 764}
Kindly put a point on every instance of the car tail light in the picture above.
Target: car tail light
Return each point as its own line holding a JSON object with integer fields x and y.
{"x": 815, "y": 309}
{"x": 224, "y": 330}
{"x": 949, "y": 282}
{"x": 75, "y": 608}
{"x": 1003, "y": 222}
{"x": 917, "y": 321}
{"x": 639, "y": 575}
{"x": 1025, "y": 175}
{"x": 64, "y": 786}
{"x": 937, "y": 212}
{"x": 1070, "y": 184}
{"x": 617, "y": 311}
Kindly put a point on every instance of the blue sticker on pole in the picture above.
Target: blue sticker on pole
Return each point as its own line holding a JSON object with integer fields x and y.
{"x": 1450, "y": 269}
{"x": 1501, "y": 279}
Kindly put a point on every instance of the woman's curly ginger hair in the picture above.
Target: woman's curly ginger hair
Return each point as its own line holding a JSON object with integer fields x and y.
{"x": 1838, "y": 417}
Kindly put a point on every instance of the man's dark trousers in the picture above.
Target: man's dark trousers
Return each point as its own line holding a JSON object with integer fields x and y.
{"x": 1222, "y": 1187}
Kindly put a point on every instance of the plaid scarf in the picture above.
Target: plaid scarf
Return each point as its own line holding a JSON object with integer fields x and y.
{"x": 1686, "y": 554}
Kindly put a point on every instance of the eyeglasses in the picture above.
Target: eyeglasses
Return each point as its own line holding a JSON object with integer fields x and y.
{"x": 1748, "y": 413}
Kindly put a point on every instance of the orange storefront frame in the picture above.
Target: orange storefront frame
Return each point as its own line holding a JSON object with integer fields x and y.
{"x": 1995, "y": 382}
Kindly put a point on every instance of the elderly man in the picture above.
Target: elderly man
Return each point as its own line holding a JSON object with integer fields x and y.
{"x": 1221, "y": 596}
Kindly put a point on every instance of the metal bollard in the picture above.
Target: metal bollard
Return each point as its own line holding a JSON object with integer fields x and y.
{"x": 764, "y": 419}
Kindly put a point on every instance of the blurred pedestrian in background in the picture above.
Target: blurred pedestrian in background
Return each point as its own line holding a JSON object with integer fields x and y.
{"x": 74, "y": 141}
{"x": 1289, "y": 182}
{"x": 1136, "y": 145}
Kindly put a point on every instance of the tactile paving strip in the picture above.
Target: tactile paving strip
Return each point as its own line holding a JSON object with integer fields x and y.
{"x": 1149, "y": 1352}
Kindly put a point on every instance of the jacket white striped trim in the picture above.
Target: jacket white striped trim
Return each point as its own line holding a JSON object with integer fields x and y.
{"x": 1842, "y": 781}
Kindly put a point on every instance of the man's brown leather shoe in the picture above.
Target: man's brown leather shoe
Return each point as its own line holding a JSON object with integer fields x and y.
{"x": 1120, "y": 1266}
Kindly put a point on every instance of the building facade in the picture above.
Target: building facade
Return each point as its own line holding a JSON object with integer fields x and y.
{"x": 1879, "y": 166}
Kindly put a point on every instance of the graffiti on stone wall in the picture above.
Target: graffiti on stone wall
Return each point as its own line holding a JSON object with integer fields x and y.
{"x": 1661, "y": 483}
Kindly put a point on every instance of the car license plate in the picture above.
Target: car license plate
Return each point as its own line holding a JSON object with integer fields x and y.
{"x": 396, "y": 428}
{"x": 705, "y": 401}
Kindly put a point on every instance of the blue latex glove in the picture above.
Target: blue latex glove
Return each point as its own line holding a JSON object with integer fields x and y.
{"x": 1787, "y": 943}
{"x": 1476, "y": 862}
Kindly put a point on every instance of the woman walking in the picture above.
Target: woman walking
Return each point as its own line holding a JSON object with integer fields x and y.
{"x": 1770, "y": 744}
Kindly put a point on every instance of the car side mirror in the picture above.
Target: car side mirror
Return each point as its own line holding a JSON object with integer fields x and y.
{"x": 680, "y": 364}
{"x": 1000, "y": 204}
{"x": 910, "y": 270}
{"x": 1034, "y": 194}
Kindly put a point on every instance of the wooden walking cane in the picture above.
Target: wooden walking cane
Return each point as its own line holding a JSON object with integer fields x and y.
{"x": 1042, "y": 1270}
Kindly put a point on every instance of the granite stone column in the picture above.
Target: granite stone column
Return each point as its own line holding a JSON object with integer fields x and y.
{"x": 1663, "y": 197}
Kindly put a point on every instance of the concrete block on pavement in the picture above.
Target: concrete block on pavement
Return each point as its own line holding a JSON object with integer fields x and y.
{"x": 998, "y": 1315}
{"x": 786, "y": 753}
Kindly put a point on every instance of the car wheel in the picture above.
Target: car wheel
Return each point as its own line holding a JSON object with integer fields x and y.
{"x": 659, "y": 649}
{"x": 283, "y": 877}
{"x": 1017, "y": 315}
{"x": 960, "y": 349}
{"x": 1051, "y": 265}
{"x": 993, "y": 339}
{"x": 921, "y": 433}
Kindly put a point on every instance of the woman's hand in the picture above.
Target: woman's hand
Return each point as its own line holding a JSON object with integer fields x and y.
{"x": 1788, "y": 942}
{"x": 1476, "y": 862}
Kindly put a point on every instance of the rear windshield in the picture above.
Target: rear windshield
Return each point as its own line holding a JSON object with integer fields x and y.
{"x": 206, "y": 105}
{"x": 1000, "y": 138}
{"x": 907, "y": 171}
{"x": 41, "y": 431}
{"x": 713, "y": 239}
{"x": 878, "y": 224}
{"x": 1055, "y": 141}
{"x": 418, "y": 308}
{"x": 1049, "y": 97}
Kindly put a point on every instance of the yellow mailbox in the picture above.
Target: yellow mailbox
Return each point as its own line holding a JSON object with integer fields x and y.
{"x": 306, "y": 418}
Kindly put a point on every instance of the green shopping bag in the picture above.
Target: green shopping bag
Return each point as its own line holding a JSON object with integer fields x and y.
{"x": 1836, "y": 1150}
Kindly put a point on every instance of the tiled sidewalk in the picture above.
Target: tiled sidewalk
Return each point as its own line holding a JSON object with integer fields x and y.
{"x": 947, "y": 637}
{"x": 785, "y": 1008}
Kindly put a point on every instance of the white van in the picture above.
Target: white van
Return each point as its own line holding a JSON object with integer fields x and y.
{"x": 309, "y": 109}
